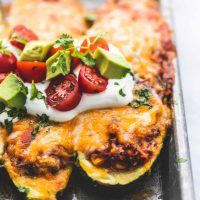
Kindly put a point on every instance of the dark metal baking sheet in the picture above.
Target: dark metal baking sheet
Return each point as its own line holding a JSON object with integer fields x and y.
{"x": 168, "y": 180}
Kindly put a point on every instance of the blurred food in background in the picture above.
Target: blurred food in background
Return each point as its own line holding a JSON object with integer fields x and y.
{"x": 49, "y": 18}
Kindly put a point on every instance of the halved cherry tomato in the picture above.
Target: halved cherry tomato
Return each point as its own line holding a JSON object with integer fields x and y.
{"x": 91, "y": 81}
{"x": 74, "y": 61}
{"x": 2, "y": 76}
{"x": 7, "y": 62}
{"x": 23, "y": 32}
{"x": 63, "y": 93}
{"x": 30, "y": 71}
{"x": 100, "y": 42}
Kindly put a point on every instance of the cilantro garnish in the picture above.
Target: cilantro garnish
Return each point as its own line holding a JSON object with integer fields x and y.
{"x": 116, "y": 83}
{"x": 133, "y": 76}
{"x": 143, "y": 99}
{"x": 181, "y": 160}
{"x": 4, "y": 49}
{"x": 43, "y": 122}
{"x": 8, "y": 125}
{"x": 17, "y": 113}
{"x": 72, "y": 86}
{"x": 36, "y": 94}
{"x": 86, "y": 58}
{"x": 2, "y": 107}
{"x": 122, "y": 93}
{"x": 24, "y": 189}
{"x": 65, "y": 41}
{"x": 13, "y": 114}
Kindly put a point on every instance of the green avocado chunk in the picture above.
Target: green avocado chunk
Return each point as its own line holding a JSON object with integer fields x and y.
{"x": 13, "y": 92}
{"x": 110, "y": 65}
{"x": 35, "y": 51}
{"x": 58, "y": 64}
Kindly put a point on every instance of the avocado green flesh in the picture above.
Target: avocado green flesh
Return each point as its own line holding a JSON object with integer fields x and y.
{"x": 35, "y": 51}
{"x": 13, "y": 92}
{"x": 58, "y": 64}
{"x": 107, "y": 177}
{"x": 110, "y": 65}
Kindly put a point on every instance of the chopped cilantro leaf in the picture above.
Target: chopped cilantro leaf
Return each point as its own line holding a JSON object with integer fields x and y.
{"x": 88, "y": 59}
{"x": 72, "y": 86}
{"x": 122, "y": 93}
{"x": 24, "y": 189}
{"x": 65, "y": 41}
{"x": 85, "y": 58}
{"x": 35, "y": 131}
{"x": 2, "y": 107}
{"x": 142, "y": 100}
{"x": 43, "y": 122}
{"x": 36, "y": 94}
{"x": 116, "y": 83}
{"x": 13, "y": 114}
{"x": 181, "y": 160}
{"x": 133, "y": 76}
{"x": 17, "y": 113}
{"x": 8, "y": 125}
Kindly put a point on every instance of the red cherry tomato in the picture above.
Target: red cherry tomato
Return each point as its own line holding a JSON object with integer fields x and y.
{"x": 30, "y": 71}
{"x": 7, "y": 62}
{"x": 23, "y": 32}
{"x": 74, "y": 61}
{"x": 99, "y": 43}
{"x": 63, "y": 93}
{"x": 2, "y": 76}
{"x": 91, "y": 81}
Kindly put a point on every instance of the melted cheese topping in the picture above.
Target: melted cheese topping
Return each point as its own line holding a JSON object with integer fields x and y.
{"x": 47, "y": 18}
{"x": 92, "y": 129}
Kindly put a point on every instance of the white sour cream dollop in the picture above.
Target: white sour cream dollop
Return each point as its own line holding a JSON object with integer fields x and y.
{"x": 111, "y": 97}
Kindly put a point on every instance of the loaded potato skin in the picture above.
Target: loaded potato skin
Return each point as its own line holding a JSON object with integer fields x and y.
{"x": 126, "y": 143}
{"x": 41, "y": 163}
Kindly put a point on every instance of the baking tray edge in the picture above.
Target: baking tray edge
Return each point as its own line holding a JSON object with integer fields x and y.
{"x": 180, "y": 129}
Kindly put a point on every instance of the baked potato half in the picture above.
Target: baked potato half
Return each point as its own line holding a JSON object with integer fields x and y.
{"x": 117, "y": 146}
{"x": 39, "y": 161}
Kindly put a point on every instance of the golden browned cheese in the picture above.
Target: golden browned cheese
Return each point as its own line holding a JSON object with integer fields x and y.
{"x": 138, "y": 29}
{"x": 3, "y": 136}
{"x": 40, "y": 163}
{"x": 47, "y": 18}
{"x": 142, "y": 128}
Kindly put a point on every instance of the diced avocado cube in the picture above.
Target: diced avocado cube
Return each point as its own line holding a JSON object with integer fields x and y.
{"x": 13, "y": 92}
{"x": 35, "y": 51}
{"x": 58, "y": 64}
{"x": 110, "y": 65}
